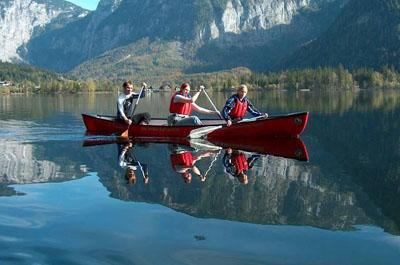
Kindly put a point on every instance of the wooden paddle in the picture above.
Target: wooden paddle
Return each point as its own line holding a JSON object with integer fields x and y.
{"x": 202, "y": 131}
{"x": 212, "y": 104}
{"x": 125, "y": 134}
{"x": 204, "y": 145}
{"x": 261, "y": 117}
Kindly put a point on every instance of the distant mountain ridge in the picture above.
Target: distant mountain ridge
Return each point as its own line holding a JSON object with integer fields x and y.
{"x": 366, "y": 34}
{"x": 172, "y": 37}
{"x": 200, "y": 26}
{"x": 22, "y": 20}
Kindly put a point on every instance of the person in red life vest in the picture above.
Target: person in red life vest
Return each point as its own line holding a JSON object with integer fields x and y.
{"x": 181, "y": 106}
{"x": 237, "y": 164}
{"x": 125, "y": 104}
{"x": 237, "y": 105}
{"x": 183, "y": 162}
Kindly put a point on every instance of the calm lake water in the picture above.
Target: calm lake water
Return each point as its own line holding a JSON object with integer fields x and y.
{"x": 65, "y": 203}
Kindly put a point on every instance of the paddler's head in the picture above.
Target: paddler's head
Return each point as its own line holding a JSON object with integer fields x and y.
{"x": 187, "y": 177}
{"x": 128, "y": 87}
{"x": 185, "y": 88}
{"x": 130, "y": 175}
{"x": 241, "y": 91}
{"x": 243, "y": 178}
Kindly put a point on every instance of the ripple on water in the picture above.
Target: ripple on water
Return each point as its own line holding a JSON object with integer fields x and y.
{"x": 12, "y": 221}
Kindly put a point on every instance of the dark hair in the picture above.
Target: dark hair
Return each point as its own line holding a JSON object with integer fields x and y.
{"x": 130, "y": 179}
{"x": 126, "y": 83}
{"x": 184, "y": 85}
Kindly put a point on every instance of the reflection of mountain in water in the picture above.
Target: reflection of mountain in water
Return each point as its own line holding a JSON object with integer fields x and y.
{"x": 18, "y": 166}
{"x": 280, "y": 191}
{"x": 366, "y": 146}
{"x": 21, "y": 164}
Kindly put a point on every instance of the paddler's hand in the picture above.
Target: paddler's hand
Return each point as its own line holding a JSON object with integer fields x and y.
{"x": 228, "y": 123}
{"x": 146, "y": 179}
{"x": 202, "y": 178}
{"x": 144, "y": 85}
{"x": 201, "y": 88}
{"x": 128, "y": 121}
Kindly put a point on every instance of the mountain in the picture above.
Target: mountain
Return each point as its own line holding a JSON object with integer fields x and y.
{"x": 22, "y": 20}
{"x": 366, "y": 34}
{"x": 208, "y": 34}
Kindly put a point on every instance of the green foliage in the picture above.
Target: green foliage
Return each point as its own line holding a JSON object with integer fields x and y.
{"x": 140, "y": 67}
{"x": 327, "y": 78}
{"x": 28, "y": 79}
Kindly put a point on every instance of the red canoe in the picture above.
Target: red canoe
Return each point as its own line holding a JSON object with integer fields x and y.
{"x": 283, "y": 126}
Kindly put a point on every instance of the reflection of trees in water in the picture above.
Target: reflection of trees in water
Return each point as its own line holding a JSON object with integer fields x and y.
{"x": 40, "y": 106}
{"x": 328, "y": 101}
{"x": 280, "y": 191}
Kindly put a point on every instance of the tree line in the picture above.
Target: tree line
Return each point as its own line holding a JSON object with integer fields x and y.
{"x": 28, "y": 79}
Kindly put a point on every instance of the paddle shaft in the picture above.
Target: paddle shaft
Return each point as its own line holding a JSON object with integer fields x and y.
{"x": 126, "y": 133}
{"x": 137, "y": 102}
{"x": 212, "y": 162}
{"x": 212, "y": 104}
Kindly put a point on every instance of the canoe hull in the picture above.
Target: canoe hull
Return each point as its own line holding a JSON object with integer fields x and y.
{"x": 283, "y": 126}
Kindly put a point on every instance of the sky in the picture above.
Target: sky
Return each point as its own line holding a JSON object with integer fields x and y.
{"x": 88, "y": 4}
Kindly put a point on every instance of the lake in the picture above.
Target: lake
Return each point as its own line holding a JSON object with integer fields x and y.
{"x": 65, "y": 199}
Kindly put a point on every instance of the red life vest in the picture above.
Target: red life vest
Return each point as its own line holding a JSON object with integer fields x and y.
{"x": 183, "y": 159}
{"x": 240, "y": 162}
{"x": 178, "y": 107}
{"x": 239, "y": 111}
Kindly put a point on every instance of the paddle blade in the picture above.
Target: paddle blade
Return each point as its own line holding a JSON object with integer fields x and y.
{"x": 125, "y": 134}
{"x": 201, "y": 144}
{"x": 202, "y": 132}
{"x": 262, "y": 117}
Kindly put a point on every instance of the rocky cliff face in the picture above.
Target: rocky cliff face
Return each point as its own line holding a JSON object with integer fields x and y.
{"x": 224, "y": 23}
{"x": 21, "y": 20}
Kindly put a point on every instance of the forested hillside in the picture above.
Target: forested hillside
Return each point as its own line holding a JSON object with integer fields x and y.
{"x": 366, "y": 34}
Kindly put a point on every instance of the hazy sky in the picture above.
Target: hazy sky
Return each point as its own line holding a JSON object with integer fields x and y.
{"x": 88, "y": 4}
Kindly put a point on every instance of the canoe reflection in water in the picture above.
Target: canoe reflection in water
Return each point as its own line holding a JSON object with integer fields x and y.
{"x": 239, "y": 156}
{"x": 128, "y": 161}
{"x": 237, "y": 164}
{"x": 183, "y": 160}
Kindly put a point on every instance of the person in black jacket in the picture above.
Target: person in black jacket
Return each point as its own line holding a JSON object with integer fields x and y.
{"x": 125, "y": 103}
{"x": 128, "y": 161}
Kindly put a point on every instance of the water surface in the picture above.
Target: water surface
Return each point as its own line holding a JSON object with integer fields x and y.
{"x": 62, "y": 203}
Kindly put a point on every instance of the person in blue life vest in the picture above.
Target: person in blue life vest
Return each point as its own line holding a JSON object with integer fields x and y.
{"x": 125, "y": 103}
{"x": 128, "y": 161}
{"x": 183, "y": 162}
{"x": 181, "y": 106}
{"x": 237, "y": 164}
{"x": 238, "y": 105}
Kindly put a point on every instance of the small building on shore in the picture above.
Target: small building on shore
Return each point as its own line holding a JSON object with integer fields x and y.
{"x": 6, "y": 83}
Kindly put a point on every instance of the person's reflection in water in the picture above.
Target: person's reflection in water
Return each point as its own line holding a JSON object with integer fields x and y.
{"x": 237, "y": 164}
{"x": 183, "y": 161}
{"x": 128, "y": 161}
